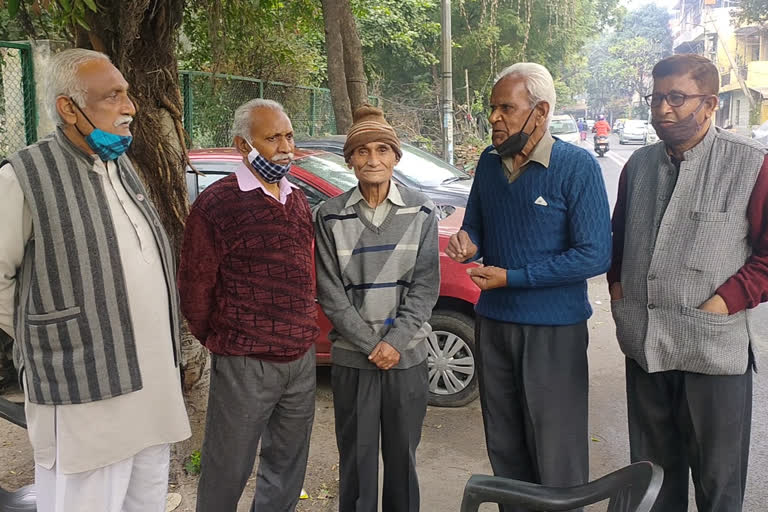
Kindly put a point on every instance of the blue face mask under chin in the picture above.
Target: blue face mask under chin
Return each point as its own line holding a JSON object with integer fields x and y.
{"x": 109, "y": 146}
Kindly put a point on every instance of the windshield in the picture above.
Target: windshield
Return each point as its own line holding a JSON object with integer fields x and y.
{"x": 560, "y": 126}
{"x": 330, "y": 168}
{"x": 426, "y": 170}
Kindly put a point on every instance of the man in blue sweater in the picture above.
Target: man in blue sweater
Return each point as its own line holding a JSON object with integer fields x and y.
{"x": 538, "y": 217}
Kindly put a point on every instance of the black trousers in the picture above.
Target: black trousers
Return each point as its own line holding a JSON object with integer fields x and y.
{"x": 534, "y": 384}
{"x": 683, "y": 420}
{"x": 367, "y": 402}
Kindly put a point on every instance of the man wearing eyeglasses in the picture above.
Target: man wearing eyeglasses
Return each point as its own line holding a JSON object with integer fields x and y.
{"x": 690, "y": 261}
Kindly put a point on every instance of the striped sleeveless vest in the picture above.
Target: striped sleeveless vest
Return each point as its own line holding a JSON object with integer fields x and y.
{"x": 74, "y": 333}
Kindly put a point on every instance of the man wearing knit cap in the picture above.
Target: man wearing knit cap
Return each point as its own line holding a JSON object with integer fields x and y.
{"x": 378, "y": 276}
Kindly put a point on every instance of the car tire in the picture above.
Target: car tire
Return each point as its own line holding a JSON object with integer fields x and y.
{"x": 452, "y": 332}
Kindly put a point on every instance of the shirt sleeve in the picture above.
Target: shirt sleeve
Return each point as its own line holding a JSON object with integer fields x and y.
{"x": 416, "y": 307}
{"x": 748, "y": 287}
{"x": 618, "y": 223}
{"x": 589, "y": 230}
{"x": 332, "y": 296}
{"x": 16, "y": 232}
{"x": 198, "y": 273}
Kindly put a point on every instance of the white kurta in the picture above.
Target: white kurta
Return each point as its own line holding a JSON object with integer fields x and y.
{"x": 97, "y": 434}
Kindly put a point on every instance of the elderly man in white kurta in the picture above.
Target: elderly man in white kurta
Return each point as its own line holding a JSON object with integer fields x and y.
{"x": 87, "y": 289}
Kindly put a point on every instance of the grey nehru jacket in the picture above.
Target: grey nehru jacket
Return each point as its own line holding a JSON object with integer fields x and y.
{"x": 685, "y": 235}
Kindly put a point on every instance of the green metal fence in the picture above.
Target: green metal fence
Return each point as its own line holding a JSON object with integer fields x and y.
{"x": 209, "y": 102}
{"x": 18, "y": 110}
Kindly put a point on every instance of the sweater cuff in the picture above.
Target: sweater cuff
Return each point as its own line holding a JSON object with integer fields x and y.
{"x": 369, "y": 344}
{"x": 733, "y": 296}
{"x": 517, "y": 278}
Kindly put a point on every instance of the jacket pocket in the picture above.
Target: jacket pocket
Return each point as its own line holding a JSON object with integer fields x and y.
{"x": 54, "y": 316}
{"x": 712, "y": 343}
{"x": 707, "y": 232}
{"x": 630, "y": 329}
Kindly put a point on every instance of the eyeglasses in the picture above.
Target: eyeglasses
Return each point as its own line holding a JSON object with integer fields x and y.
{"x": 674, "y": 99}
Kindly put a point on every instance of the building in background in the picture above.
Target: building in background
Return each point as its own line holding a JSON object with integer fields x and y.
{"x": 706, "y": 27}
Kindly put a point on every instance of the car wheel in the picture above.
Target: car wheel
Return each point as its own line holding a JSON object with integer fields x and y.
{"x": 451, "y": 359}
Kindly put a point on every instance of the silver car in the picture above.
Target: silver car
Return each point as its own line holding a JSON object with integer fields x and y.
{"x": 634, "y": 131}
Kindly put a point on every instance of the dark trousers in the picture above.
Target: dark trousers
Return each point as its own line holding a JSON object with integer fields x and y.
{"x": 683, "y": 420}
{"x": 534, "y": 383}
{"x": 250, "y": 399}
{"x": 366, "y": 402}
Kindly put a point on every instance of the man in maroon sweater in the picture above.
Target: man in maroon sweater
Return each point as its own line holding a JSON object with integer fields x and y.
{"x": 248, "y": 293}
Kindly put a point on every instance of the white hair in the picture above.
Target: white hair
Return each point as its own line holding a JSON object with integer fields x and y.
{"x": 241, "y": 125}
{"x": 538, "y": 82}
{"x": 63, "y": 79}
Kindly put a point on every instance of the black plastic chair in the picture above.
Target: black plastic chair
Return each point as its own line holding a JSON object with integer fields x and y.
{"x": 24, "y": 499}
{"x": 630, "y": 489}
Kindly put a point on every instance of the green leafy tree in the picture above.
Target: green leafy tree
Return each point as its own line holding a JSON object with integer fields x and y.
{"x": 620, "y": 63}
{"x": 751, "y": 12}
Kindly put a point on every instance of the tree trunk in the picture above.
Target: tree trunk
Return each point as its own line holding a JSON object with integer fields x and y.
{"x": 334, "y": 48}
{"x": 140, "y": 37}
{"x": 353, "y": 56}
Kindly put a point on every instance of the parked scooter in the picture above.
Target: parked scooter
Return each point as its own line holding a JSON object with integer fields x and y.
{"x": 601, "y": 145}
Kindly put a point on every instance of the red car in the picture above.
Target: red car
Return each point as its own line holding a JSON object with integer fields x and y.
{"x": 322, "y": 175}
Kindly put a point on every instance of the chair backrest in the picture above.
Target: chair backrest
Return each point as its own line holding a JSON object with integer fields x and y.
{"x": 13, "y": 412}
{"x": 631, "y": 489}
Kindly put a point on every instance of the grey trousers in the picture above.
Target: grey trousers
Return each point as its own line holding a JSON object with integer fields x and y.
{"x": 680, "y": 420}
{"x": 366, "y": 402}
{"x": 534, "y": 384}
{"x": 249, "y": 400}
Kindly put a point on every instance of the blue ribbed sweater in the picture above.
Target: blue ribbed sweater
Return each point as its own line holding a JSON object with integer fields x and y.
{"x": 550, "y": 229}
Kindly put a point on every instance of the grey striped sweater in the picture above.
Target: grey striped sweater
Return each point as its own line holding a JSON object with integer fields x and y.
{"x": 74, "y": 334}
{"x": 378, "y": 283}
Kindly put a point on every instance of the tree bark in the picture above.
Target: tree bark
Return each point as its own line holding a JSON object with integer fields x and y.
{"x": 334, "y": 48}
{"x": 353, "y": 57}
{"x": 140, "y": 37}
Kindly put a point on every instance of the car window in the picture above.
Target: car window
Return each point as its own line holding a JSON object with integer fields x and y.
{"x": 635, "y": 125}
{"x": 314, "y": 196}
{"x": 427, "y": 170}
{"x": 209, "y": 179}
{"x": 331, "y": 168}
{"x": 213, "y": 171}
{"x": 560, "y": 126}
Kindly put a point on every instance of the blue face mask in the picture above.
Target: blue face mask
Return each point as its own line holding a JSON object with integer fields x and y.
{"x": 269, "y": 171}
{"x": 109, "y": 146}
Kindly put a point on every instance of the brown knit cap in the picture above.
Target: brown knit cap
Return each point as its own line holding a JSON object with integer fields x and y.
{"x": 369, "y": 125}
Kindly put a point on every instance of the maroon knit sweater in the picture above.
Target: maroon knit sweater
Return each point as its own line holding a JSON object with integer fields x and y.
{"x": 246, "y": 276}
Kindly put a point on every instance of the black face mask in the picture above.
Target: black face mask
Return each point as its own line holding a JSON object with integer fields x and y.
{"x": 680, "y": 132}
{"x": 516, "y": 142}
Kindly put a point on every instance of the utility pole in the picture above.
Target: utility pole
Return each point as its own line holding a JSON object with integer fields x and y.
{"x": 466, "y": 85}
{"x": 447, "y": 82}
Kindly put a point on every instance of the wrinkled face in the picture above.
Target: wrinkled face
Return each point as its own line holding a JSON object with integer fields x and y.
{"x": 373, "y": 163}
{"x": 107, "y": 104}
{"x": 271, "y": 135}
{"x": 682, "y": 84}
{"x": 510, "y": 107}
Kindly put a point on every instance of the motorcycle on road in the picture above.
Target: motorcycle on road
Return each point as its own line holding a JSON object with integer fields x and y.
{"x": 601, "y": 145}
